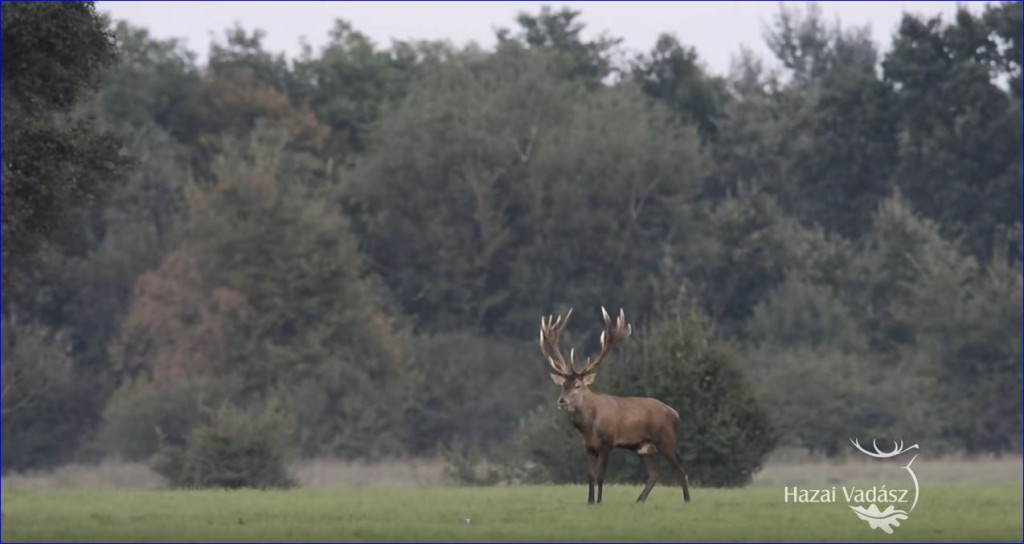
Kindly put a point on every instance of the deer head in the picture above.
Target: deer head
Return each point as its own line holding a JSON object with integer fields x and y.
{"x": 575, "y": 383}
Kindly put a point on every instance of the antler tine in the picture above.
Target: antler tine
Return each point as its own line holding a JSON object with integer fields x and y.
{"x": 610, "y": 336}
{"x": 550, "y": 331}
{"x": 544, "y": 327}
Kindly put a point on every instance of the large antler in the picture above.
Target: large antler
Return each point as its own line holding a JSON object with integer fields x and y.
{"x": 550, "y": 332}
{"x": 610, "y": 336}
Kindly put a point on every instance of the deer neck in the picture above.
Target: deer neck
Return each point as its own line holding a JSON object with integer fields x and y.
{"x": 583, "y": 417}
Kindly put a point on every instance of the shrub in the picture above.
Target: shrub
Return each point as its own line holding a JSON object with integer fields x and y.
{"x": 236, "y": 449}
{"x": 142, "y": 416}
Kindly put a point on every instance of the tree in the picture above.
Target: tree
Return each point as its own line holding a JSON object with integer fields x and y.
{"x": 961, "y": 135}
{"x": 560, "y": 32}
{"x": 54, "y": 164}
{"x": 244, "y": 52}
{"x": 351, "y": 82}
{"x": 174, "y": 326}
{"x": 1006, "y": 21}
{"x": 836, "y": 124}
{"x": 150, "y": 81}
{"x": 268, "y": 286}
{"x": 671, "y": 74}
{"x": 518, "y": 154}
{"x": 473, "y": 391}
{"x": 36, "y": 363}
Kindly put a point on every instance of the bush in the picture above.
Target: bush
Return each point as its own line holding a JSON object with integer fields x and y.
{"x": 724, "y": 434}
{"x": 234, "y": 450}
{"x": 141, "y": 416}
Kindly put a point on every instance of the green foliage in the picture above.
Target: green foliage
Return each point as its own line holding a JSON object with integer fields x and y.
{"x": 546, "y": 448}
{"x": 969, "y": 323}
{"x": 901, "y": 249}
{"x": 243, "y": 51}
{"x": 150, "y": 82}
{"x": 54, "y": 163}
{"x": 961, "y": 133}
{"x": 351, "y": 82}
{"x": 37, "y": 372}
{"x": 740, "y": 257}
{"x": 235, "y": 450}
{"x": 364, "y": 236}
{"x": 54, "y": 52}
{"x": 559, "y": 32}
{"x": 311, "y": 318}
{"x": 672, "y": 74}
{"x": 798, "y": 313}
{"x": 509, "y": 237}
{"x": 821, "y": 398}
{"x": 142, "y": 417}
{"x": 472, "y": 390}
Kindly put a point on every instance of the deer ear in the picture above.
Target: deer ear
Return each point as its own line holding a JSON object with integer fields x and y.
{"x": 589, "y": 379}
{"x": 557, "y": 379}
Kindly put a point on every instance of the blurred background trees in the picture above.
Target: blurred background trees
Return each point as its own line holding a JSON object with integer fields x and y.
{"x": 347, "y": 252}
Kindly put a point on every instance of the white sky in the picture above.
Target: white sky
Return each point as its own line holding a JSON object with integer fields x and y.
{"x": 716, "y": 29}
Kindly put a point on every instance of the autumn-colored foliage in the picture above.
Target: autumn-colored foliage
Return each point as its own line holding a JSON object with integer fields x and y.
{"x": 175, "y": 324}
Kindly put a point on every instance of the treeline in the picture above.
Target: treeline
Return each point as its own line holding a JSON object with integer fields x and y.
{"x": 359, "y": 241}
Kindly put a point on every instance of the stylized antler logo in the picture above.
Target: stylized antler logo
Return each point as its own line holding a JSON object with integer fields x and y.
{"x": 878, "y": 454}
{"x": 890, "y": 517}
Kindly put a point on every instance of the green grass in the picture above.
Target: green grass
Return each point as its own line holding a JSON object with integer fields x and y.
{"x": 952, "y": 512}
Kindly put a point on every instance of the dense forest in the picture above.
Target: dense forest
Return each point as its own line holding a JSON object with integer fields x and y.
{"x": 355, "y": 246}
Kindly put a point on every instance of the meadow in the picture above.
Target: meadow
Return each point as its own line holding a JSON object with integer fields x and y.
{"x": 421, "y": 508}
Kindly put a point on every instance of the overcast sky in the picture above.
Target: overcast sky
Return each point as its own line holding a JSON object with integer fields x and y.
{"x": 716, "y": 29}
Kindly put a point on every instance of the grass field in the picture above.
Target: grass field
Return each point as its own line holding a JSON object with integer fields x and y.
{"x": 520, "y": 513}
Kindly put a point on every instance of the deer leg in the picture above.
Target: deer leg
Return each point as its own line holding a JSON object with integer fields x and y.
{"x": 602, "y": 465}
{"x": 651, "y": 464}
{"x": 591, "y": 473}
{"x": 673, "y": 457}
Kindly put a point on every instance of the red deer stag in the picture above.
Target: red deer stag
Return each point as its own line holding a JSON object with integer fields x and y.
{"x": 605, "y": 422}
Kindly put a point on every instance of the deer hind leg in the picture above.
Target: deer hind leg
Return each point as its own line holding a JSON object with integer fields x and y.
{"x": 651, "y": 464}
{"x": 672, "y": 455}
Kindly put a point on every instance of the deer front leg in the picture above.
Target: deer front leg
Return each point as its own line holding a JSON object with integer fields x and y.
{"x": 591, "y": 473}
{"x": 602, "y": 465}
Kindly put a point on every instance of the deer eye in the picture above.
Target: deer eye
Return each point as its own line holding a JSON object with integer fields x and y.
{"x": 577, "y": 386}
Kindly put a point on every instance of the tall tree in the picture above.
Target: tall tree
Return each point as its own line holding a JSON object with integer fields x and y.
{"x": 499, "y": 188}
{"x": 54, "y": 163}
{"x": 350, "y": 82}
{"x": 269, "y": 286}
{"x": 561, "y": 32}
{"x": 672, "y": 74}
{"x": 838, "y": 122}
{"x": 961, "y": 134}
